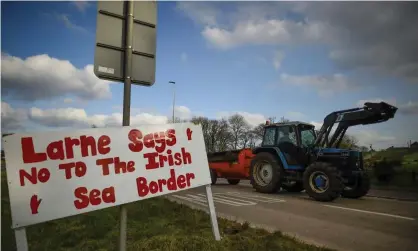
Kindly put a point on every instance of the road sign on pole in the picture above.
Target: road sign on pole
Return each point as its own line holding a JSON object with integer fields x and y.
{"x": 125, "y": 51}
{"x": 114, "y": 26}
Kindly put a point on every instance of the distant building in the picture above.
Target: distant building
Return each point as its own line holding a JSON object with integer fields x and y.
{"x": 414, "y": 145}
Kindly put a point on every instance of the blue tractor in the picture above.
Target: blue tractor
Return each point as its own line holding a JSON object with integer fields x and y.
{"x": 295, "y": 157}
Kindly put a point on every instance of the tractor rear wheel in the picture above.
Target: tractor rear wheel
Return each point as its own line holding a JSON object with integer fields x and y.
{"x": 233, "y": 181}
{"x": 293, "y": 187}
{"x": 322, "y": 182}
{"x": 359, "y": 189}
{"x": 213, "y": 176}
{"x": 266, "y": 173}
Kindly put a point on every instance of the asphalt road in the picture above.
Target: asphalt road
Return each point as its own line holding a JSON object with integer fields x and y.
{"x": 365, "y": 224}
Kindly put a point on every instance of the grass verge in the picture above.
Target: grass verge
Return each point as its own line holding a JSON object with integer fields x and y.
{"x": 153, "y": 224}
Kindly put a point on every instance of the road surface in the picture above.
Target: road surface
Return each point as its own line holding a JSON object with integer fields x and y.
{"x": 365, "y": 224}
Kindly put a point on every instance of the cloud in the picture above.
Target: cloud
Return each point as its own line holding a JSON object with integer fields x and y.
{"x": 352, "y": 31}
{"x": 182, "y": 112}
{"x": 200, "y": 12}
{"x": 65, "y": 19}
{"x": 81, "y": 5}
{"x": 73, "y": 117}
{"x": 277, "y": 59}
{"x": 317, "y": 125}
{"x": 11, "y": 119}
{"x": 68, "y": 100}
{"x": 42, "y": 77}
{"x": 410, "y": 108}
{"x": 253, "y": 119}
{"x": 325, "y": 85}
{"x": 183, "y": 57}
{"x": 16, "y": 119}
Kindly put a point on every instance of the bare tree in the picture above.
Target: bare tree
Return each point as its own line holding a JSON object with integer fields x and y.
{"x": 349, "y": 142}
{"x": 177, "y": 120}
{"x": 272, "y": 119}
{"x": 238, "y": 126}
{"x": 284, "y": 120}
{"x": 223, "y": 136}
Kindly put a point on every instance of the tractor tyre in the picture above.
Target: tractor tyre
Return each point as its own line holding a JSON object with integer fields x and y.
{"x": 360, "y": 189}
{"x": 233, "y": 181}
{"x": 266, "y": 173}
{"x": 322, "y": 182}
{"x": 294, "y": 187}
{"x": 213, "y": 176}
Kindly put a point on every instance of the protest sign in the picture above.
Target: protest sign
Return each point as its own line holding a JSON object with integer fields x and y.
{"x": 52, "y": 175}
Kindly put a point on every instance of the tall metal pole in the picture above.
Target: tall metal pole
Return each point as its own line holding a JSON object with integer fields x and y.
{"x": 126, "y": 105}
{"x": 174, "y": 97}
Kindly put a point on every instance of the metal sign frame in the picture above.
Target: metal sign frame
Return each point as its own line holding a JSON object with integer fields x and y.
{"x": 126, "y": 41}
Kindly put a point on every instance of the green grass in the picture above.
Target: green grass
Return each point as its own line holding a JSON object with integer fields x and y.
{"x": 153, "y": 224}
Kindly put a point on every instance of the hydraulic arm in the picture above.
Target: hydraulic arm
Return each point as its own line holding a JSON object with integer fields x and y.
{"x": 370, "y": 113}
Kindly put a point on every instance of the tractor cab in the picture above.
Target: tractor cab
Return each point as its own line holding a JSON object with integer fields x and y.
{"x": 297, "y": 133}
{"x": 293, "y": 140}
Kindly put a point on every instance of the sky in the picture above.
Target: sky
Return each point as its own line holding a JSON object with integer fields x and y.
{"x": 298, "y": 60}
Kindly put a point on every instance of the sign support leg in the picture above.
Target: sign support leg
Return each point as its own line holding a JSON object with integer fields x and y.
{"x": 213, "y": 218}
{"x": 21, "y": 240}
{"x": 126, "y": 105}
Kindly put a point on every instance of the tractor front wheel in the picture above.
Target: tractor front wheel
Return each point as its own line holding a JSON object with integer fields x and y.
{"x": 359, "y": 189}
{"x": 265, "y": 173}
{"x": 233, "y": 181}
{"x": 322, "y": 182}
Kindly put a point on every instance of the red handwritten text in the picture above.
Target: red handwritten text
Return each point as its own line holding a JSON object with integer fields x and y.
{"x": 42, "y": 175}
{"x": 158, "y": 140}
{"x": 64, "y": 149}
{"x": 118, "y": 166}
{"x": 79, "y": 167}
{"x": 94, "y": 197}
{"x": 156, "y": 160}
{"x": 171, "y": 184}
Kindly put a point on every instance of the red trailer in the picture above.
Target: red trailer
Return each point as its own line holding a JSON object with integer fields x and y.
{"x": 232, "y": 165}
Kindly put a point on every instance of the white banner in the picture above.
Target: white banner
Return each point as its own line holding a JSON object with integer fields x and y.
{"x": 53, "y": 175}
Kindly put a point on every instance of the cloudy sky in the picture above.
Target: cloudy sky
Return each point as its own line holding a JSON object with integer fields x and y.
{"x": 260, "y": 59}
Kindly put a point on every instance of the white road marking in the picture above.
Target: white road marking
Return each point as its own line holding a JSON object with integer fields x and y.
{"x": 228, "y": 200}
{"x": 371, "y": 212}
{"x": 255, "y": 197}
{"x": 233, "y": 199}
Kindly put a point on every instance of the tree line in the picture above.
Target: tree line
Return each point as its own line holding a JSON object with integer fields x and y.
{"x": 234, "y": 132}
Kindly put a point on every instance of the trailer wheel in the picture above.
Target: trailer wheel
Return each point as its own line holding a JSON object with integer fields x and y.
{"x": 294, "y": 187}
{"x": 265, "y": 173}
{"x": 213, "y": 176}
{"x": 233, "y": 181}
{"x": 359, "y": 189}
{"x": 322, "y": 182}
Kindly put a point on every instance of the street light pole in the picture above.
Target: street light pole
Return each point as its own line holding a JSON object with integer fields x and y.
{"x": 174, "y": 96}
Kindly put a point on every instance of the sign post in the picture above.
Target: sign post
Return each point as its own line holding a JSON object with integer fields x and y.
{"x": 126, "y": 109}
{"x": 114, "y": 35}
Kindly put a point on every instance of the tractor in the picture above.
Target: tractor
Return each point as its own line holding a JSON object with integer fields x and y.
{"x": 295, "y": 157}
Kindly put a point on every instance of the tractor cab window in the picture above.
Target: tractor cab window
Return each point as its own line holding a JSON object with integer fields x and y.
{"x": 286, "y": 134}
{"x": 269, "y": 136}
{"x": 307, "y": 136}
